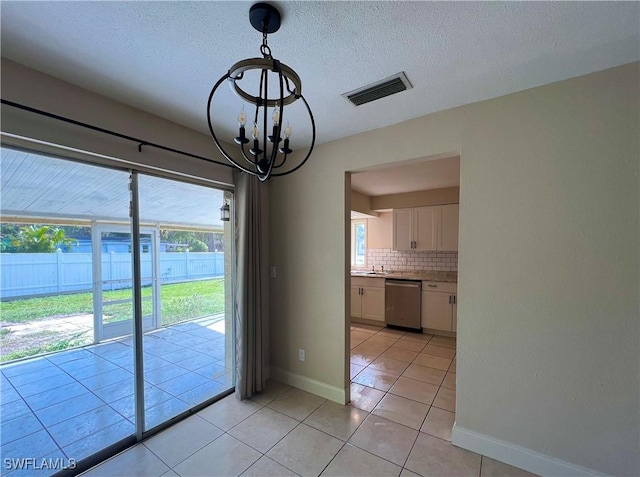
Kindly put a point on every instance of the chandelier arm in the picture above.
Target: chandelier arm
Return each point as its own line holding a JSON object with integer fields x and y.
{"x": 266, "y": 174}
{"x": 244, "y": 153}
{"x": 313, "y": 142}
{"x": 275, "y": 147}
{"x": 284, "y": 159}
{"x": 213, "y": 134}
{"x": 255, "y": 118}
{"x": 265, "y": 133}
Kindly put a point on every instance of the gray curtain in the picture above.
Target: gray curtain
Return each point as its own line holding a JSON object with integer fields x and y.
{"x": 251, "y": 322}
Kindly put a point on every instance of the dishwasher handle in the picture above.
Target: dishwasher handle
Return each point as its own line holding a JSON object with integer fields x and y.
{"x": 403, "y": 283}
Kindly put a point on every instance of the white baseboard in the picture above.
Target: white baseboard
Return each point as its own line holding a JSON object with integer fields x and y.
{"x": 517, "y": 456}
{"x": 310, "y": 385}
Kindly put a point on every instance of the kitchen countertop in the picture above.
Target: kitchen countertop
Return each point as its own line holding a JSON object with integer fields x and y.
{"x": 449, "y": 277}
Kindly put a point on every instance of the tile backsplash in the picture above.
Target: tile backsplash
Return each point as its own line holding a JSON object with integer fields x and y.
{"x": 410, "y": 260}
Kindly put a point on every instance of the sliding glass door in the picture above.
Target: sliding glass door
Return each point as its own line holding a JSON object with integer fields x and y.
{"x": 85, "y": 374}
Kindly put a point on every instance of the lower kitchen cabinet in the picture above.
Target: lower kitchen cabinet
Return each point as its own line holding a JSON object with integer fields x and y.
{"x": 439, "y": 306}
{"x": 367, "y": 298}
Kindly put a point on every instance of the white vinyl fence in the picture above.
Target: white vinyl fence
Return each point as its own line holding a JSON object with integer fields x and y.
{"x": 32, "y": 274}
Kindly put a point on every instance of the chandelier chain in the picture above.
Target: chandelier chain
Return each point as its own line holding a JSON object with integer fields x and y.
{"x": 264, "y": 48}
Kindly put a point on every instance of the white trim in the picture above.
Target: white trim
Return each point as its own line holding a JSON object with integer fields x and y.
{"x": 517, "y": 456}
{"x": 310, "y": 385}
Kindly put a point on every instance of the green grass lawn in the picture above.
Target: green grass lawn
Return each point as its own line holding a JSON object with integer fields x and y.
{"x": 180, "y": 301}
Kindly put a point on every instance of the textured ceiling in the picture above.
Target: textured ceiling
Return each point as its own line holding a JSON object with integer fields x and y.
{"x": 164, "y": 57}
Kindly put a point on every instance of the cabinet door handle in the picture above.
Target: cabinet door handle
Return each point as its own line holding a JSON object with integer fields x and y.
{"x": 455, "y": 299}
{"x": 450, "y": 300}
{"x": 432, "y": 286}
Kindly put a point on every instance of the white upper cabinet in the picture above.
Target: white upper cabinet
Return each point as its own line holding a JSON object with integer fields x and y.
{"x": 403, "y": 229}
{"x": 426, "y": 228}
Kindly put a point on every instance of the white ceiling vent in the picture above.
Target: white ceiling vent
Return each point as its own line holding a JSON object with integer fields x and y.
{"x": 374, "y": 91}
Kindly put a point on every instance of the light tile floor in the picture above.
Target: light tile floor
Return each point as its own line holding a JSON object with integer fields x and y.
{"x": 398, "y": 424}
{"x": 71, "y": 404}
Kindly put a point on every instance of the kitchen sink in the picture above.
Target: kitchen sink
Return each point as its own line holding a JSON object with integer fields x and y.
{"x": 362, "y": 272}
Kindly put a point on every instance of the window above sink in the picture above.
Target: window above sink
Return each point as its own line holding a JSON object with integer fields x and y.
{"x": 359, "y": 244}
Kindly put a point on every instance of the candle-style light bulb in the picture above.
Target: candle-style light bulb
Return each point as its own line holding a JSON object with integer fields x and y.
{"x": 256, "y": 131}
{"x": 276, "y": 116}
{"x": 242, "y": 118}
{"x": 285, "y": 147}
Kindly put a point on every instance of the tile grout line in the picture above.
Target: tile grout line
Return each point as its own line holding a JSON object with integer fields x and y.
{"x": 431, "y": 405}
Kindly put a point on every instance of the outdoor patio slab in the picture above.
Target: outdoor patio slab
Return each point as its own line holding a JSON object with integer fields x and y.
{"x": 199, "y": 394}
{"x": 19, "y": 427}
{"x": 14, "y": 409}
{"x": 90, "y": 444}
{"x": 105, "y": 379}
{"x": 27, "y": 366}
{"x": 62, "y": 411}
{"x": 73, "y": 403}
{"x": 152, "y": 396}
{"x": 212, "y": 370}
{"x": 39, "y": 444}
{"x": 117, "y": 390}
{"x": 183, "y": 383}
{"x": 90, "y": 366}
{"x": 44, "y": 384}
{"x": 157, "y": 414}
{"x": 67, "y": 356}
{"x": 48, "y": 398}
{"x": 26, "y": 378}
{"x": 83, "y": 425}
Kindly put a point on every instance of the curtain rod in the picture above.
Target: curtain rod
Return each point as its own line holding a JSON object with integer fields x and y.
{"x": 140, "y": 142}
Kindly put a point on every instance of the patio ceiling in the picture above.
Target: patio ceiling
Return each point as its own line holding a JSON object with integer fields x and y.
{"x": 39, "y": 189}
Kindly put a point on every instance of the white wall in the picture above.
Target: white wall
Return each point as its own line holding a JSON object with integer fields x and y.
{"x": 548, "y": 315}
{"x": 37, "y": 90}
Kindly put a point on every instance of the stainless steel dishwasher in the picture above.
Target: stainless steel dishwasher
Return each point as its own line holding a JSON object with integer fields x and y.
{"x": 403, "y": 302}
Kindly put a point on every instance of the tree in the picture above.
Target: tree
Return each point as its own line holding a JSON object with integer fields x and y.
{"x": 195, "y": 241}
{"x": 41, "y": 239}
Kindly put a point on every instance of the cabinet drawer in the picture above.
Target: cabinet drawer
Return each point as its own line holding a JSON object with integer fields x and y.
{"x": 367, "y": 282}
{"x": 440, "y": 287}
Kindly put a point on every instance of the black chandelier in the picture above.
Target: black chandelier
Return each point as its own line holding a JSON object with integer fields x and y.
{"x": 268, "y": 155}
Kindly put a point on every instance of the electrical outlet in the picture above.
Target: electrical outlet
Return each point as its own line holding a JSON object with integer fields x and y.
{"x": 301, "y": 354}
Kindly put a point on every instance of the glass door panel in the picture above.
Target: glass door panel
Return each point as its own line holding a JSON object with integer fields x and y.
{"x": 188, "y": 357}
{"x": 70, "y": 397}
